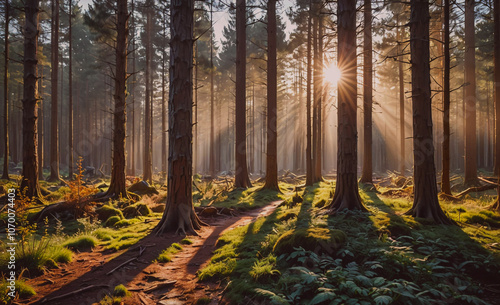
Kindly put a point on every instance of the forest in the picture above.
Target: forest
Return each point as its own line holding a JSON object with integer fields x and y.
{"x": 250, "y": 152}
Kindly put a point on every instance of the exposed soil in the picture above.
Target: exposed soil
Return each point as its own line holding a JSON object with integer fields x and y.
{"x": 150, "y": 283}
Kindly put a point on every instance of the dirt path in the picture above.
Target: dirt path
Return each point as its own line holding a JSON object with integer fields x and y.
{"x": 139, "y": 275}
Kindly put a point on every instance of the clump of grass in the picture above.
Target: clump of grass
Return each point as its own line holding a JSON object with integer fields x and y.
{"x": 82, "y": 242}
{"x": 121, "y": 291}
{"x": 264, "y": 270}
{"x": 126, "y": 222}
{"x": 166, "y": 255}
{"x": 36, "y": 256}
{"x": 186, "y": 241}
{"x": 23, "y": 290}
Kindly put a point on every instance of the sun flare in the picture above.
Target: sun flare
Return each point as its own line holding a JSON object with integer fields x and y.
{"x": 332, "y": 74}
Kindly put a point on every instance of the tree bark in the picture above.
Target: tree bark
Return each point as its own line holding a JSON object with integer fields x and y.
{"x": 309, "y": 165}
{"x": 164, "y": 105}
{"x": 132, "y": 152}
{"x": 117, "y": 187}
{"x": 272, "y": 97}
{"x": 148, "y": 166}
{"x": 366, "y": 176}
{"x": 319, "y": 102}
{"x": 41, "y": 129}
{"x": 29, "y": 184}
{"x": 425, "y": 202}
{"x": 402, "y": 158}
{"x": 241, "y": 178}
{"x": 211, "y": 161}
{"x": 54, "y": 120}
{"x": 5, "y": 173}
{"x": 179, "y": 213}
{"x": 496, "y": 205}
{"x": 346, "y": 195}
{"x": 70, "y": 103}
{"x": 445, "y": 178}
{"x": 470, "y": 97}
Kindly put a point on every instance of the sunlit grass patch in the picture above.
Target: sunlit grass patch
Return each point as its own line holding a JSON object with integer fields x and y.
{"x": 121, "y": 237}
{"x": 167, "y": 254}
{"x": 81, "y": 242}
{"x": 23, "y": 290}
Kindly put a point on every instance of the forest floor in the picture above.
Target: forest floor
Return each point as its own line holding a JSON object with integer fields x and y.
{"x": 263, "y": 247}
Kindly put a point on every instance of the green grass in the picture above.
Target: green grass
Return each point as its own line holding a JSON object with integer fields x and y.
{"x": 121, "y": 237}
{"x": 167, "y": 254}
{"x": 36, "y": 256}
{"x": 23, "y": 290}
{"x": 82, "y": 242}
{"x": 121, "y": 291}
{"x": 186, "y": 241}
{"x": 385, "y": 256}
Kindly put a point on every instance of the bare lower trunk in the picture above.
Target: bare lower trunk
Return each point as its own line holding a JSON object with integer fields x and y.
{"x": 445, "y": 178}
{"x": 29, "y": 183}
{"x": 241, "y": 178}
{"x": 470, "y": 97}
{"x": 179, "y": 213}
{"x": 117, "y": 187}
{"x": 54, "y": 128}
{"x": 5, "y": 174}
{"x": 272, "y": 92}
{"x": 366, "y": 176}
{"x": 346, "y": 195}
{"x": 425, "y": 202}
{"x": 309, "y": 166}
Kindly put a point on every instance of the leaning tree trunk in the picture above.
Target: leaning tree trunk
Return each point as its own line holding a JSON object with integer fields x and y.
{"x": 425, "y": 202}
{"x": 366, "y": 176}
{"x": 241, "y": 178}
{"x": 309, "y": 165}
{"x": 179, "y": 213}
{"x": 54, "y": 121}
{"x": 272, "y": 97}
{"x": 346, "y": 195}
{"x": 29, "y": 183}
{"x": 117, "y": 185}
{"x": 470, "y": 97}
{"x": 496, "y": 205}
{"x": 5, "y": 174}
{"x": 445, "y": 177}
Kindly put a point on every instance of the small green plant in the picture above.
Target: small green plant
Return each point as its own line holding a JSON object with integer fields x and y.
{"x": 23, "y": 291}
{"x": 186, "y": 241}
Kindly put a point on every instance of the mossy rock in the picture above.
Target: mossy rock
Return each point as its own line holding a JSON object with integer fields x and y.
{"x": 106, "y": 211}
{"x": 112, "y": 221}
{"x": 142, "y": 188}
{"x": 139, "y": 209}
{"x": 319, "y": 240}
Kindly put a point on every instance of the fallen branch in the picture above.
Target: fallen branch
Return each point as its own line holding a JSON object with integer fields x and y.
{"x": 74, "y": 292}
{"x": 477, "y": 189}
{"x": 488, "y": 181}
{"x": 141, "y": 250}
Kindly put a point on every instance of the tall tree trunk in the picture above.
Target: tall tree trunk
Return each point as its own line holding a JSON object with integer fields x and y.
{"x": 402, "y": 153}
{"x": 179, "y": 213}
{"x": 148, "y": 166}
{"x": 195, "y": 140}
{"x": 470, "y": 97}
{"x": 315, "y": 94}
{"x": 425, "y": 202}
{"x": 319, "y": 122}
{"x": 366, "y": 176}
{"x": 309, "y": 165}
{"x": 132, "y": 152}
{"x": 70, "y": 106}
{"x": 5, "y": 174}
{"x": 211, "y": 160}
{"x": 346, "y": 190}
{"x": 117, "y": 187}
{"x": 496, "y": 11}
{"x": 445, "y": 178}
{"x": 54, "y": 120}
{"x": 29, "y": 183}
{"x": 272, "y": 97}
{"x": 164, "y": 105}
{"x": 41, "y": 128}
{"x": 241, "y": 178}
